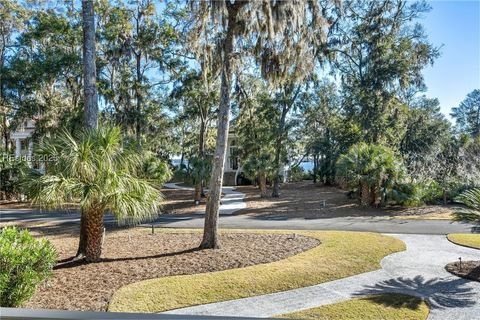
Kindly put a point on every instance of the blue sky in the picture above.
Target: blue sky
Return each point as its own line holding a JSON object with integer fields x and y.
{"x": 456, "y": 26}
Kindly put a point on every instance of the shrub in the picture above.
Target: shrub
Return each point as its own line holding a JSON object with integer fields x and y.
{"x": 12, "y": 173}
{"x": 155, "y": 170}
{"x": 296, "y": 174}
{"x": 24, "y": 263}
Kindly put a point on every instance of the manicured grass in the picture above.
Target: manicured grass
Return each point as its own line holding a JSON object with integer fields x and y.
{"x": 340, "y": 254}
{"x": 377, "y": 307}
{"x": 465, "y": 239}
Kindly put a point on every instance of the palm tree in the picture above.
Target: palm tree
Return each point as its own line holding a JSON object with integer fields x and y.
{"x": 370, "y": 168}
{"x": 90, "y": 112}
{"x": 471, "y": 198}
{"x": 260, "y": 166}
{"x": 102, "y": 175}
{"x": 285, "y": 38}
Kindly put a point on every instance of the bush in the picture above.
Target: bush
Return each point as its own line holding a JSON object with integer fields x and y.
{"x": 421, "y": 193}
{"x": 155, "y": 170}
{"x": 12, "y": 173}
{"x": 24, "y": 263}
{"x": 296, "y": 174}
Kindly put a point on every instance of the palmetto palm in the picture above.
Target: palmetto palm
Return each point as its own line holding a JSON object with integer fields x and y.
{"x": 471, "y": 198}
{"x": 369, "y": 167}
{"x": 102, "y": 175}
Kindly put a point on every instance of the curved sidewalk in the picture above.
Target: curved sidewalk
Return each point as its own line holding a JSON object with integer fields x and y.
{"x": 417, "y": 271}
{"x": 231, "y": 202}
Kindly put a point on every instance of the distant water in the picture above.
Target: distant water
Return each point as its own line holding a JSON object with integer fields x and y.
{"x": 307, "y": 166}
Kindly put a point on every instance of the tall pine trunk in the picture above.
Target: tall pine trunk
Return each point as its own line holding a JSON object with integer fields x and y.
{"x": 278, "y": 149}
{"x": 201, "y": 154}
{"x": 210, "y": 232}
{"x": 89, "y": 68}
{"x": 139, "y": 102}
{"x": 89, "y": 96}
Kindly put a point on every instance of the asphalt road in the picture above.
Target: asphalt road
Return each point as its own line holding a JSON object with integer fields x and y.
{"x": 374, "y": 224}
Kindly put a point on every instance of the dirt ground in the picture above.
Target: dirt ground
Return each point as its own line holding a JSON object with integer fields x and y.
{"x": 468, "y": 269}
{"x": 305, "y": 200}
{"x": 131, "y": 255}
{"x": 176, "y": 202}
{"x": 180, "y": 202}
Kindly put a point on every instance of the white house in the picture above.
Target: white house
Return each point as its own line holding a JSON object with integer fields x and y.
{"x": 23, "y": 139}
{"x": 233, "y": 172}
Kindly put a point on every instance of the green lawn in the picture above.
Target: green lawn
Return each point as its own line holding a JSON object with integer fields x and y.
{"x": 378, "y": 307}
{"x": 340, "y": 254}
{"x": 465, "y": 239}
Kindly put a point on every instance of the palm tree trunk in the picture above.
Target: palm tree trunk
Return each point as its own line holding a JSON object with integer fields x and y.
{"x": 90, "y": 94}
{"x": 364, "y": 193}
{"x": 210, "y": 232}
{"x": 93, "y": 234}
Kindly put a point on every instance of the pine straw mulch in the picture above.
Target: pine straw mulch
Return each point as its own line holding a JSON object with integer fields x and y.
{"x": 179, "y": 201}
{"x": 305, "y": 200}
{"x": 468, "y": 269}
{"x": 132, "y": 255}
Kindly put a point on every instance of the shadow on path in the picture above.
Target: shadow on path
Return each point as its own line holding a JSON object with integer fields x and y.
{"x": 438, "y": 293}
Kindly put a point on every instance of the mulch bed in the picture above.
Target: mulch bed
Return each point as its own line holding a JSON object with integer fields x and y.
{"x": 134, "y": 255}
{"x": 178, "y": 201}
{"x": 469, "y": 269}
{"x": 305, "y": 200}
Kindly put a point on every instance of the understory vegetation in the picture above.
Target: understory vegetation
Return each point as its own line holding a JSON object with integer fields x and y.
{"x": 24, "y": 264}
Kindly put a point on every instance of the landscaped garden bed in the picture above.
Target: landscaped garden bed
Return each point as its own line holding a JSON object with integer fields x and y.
{"x": 465, "y": 269}
{"x": 305, "y": 200}
{"x": 132, "y": 255}
{"x": 340, "y": 254}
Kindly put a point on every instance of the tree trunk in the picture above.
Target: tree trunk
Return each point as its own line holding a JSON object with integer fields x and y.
{"x": 263, "y": 185}
{"x": 210, "y": 232}
{"x": 315, "y": 167}
{"x": 138, "y": 94}
{"x": 89, "y": 68}
{"x": 364, "y": 193}
{"x": 201, "y": 153}
{"x": 93, "y": 234}
{"x": 197, "y": 197}
{"x": 278, "y": 149}
{"x": 89, "y": 97}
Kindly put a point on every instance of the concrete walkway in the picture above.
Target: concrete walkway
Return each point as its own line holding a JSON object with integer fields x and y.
{"x": 418, "y": 271}
{"x": 231, "y": 202}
